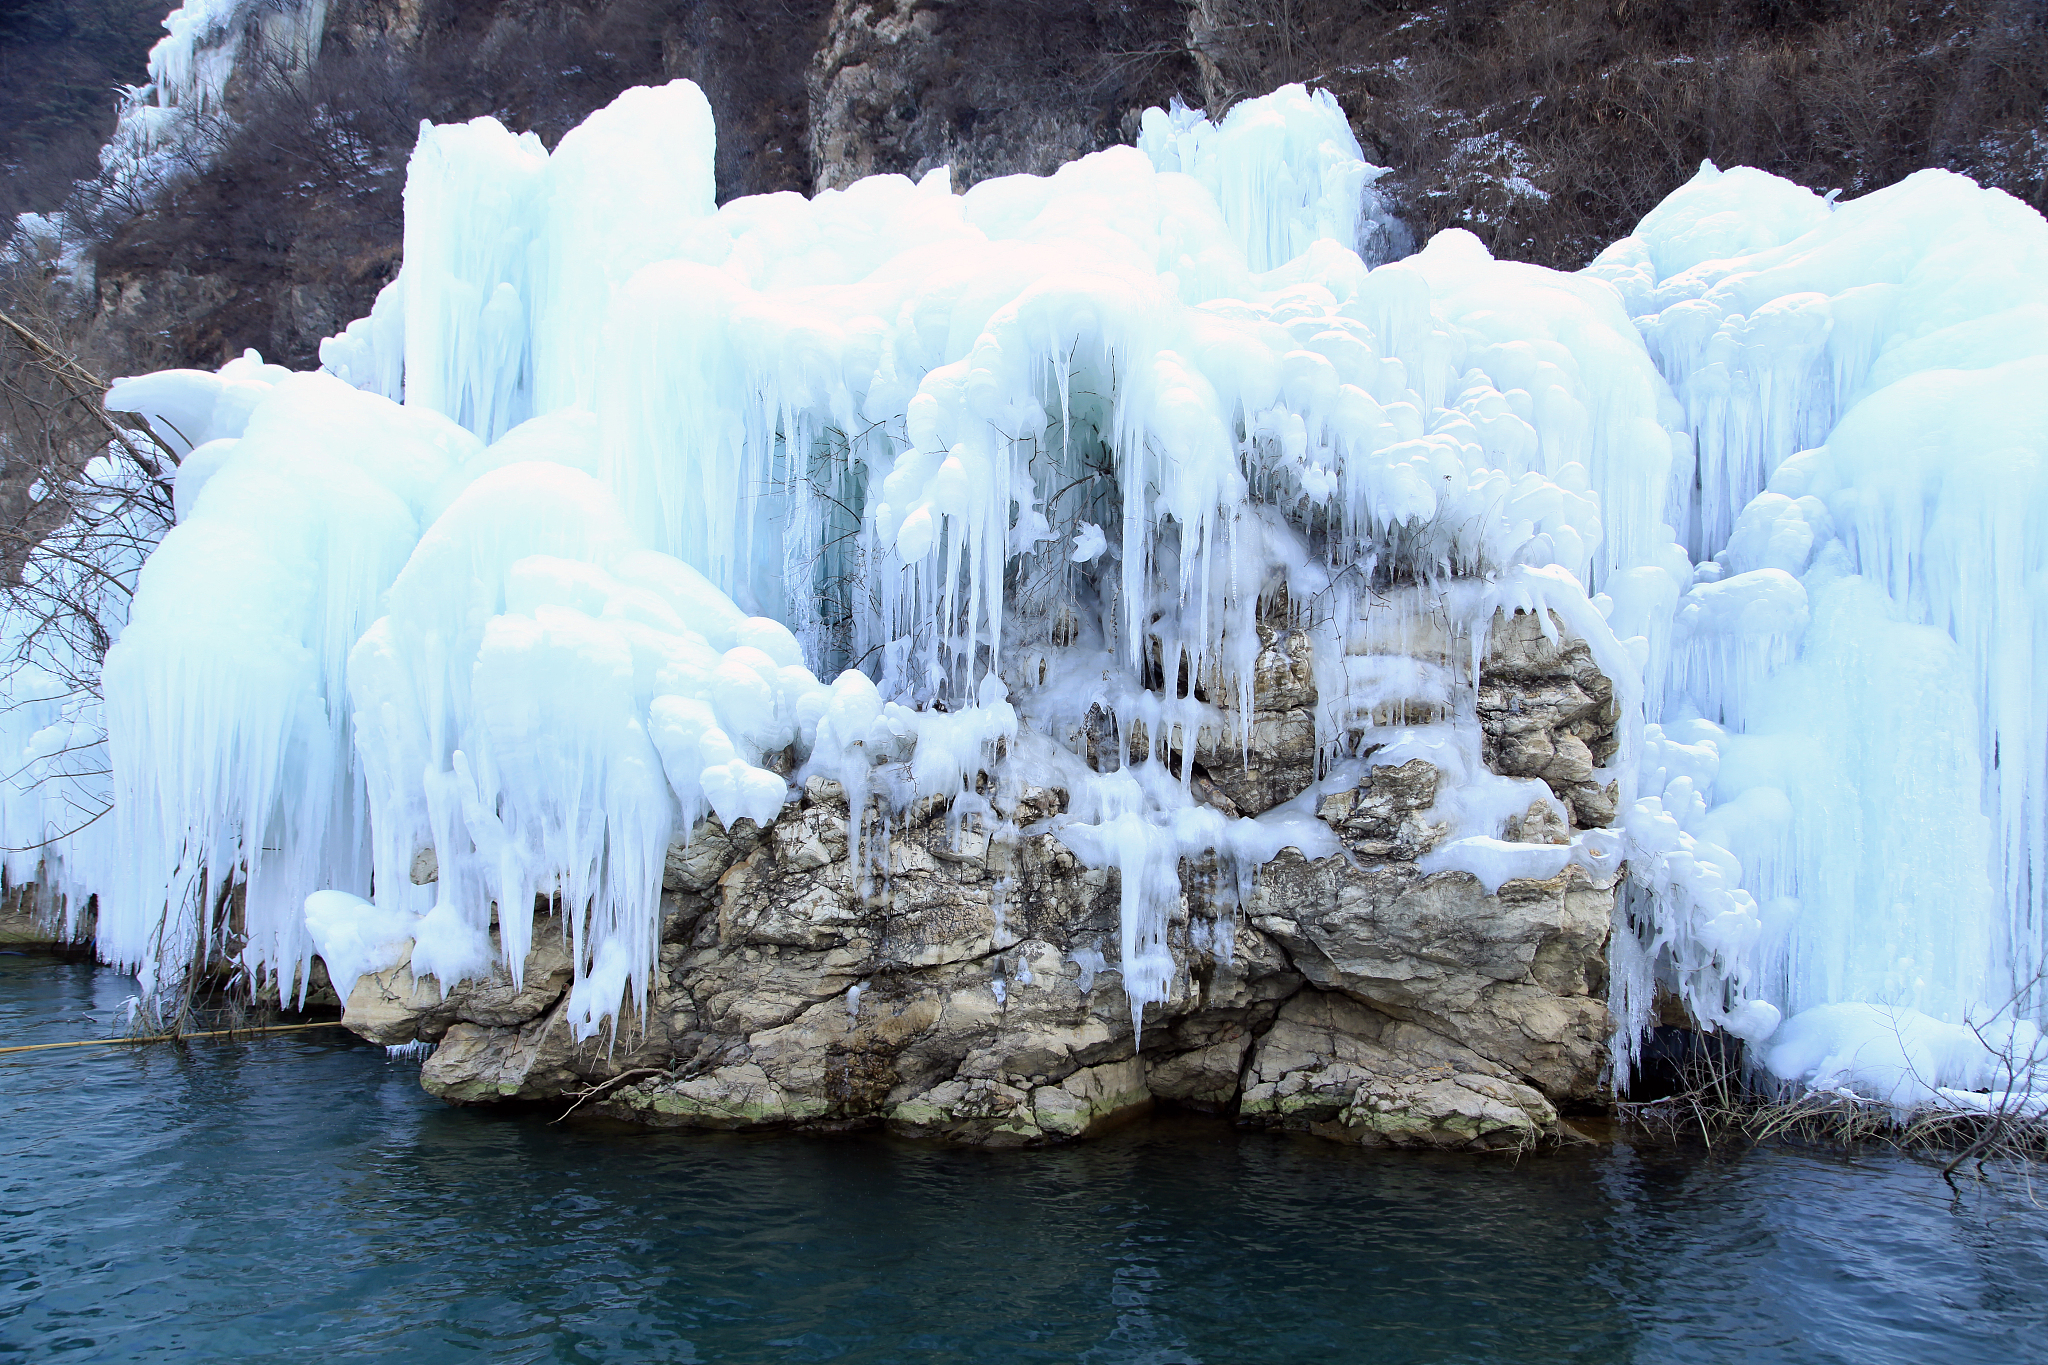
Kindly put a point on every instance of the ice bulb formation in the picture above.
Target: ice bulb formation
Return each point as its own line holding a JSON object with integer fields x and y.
{"x": 623, "y": 509}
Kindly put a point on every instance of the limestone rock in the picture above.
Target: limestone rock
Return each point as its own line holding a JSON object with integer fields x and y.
{"x": 1204, "y": 1077}
{"x": 393, "y": 1006}
{"x": 1546, "y": 710}
{"x": 21, "y": 926}
{"x": 957, "y": 979}
{"x": 742, "y": 1096}
{"x": 541, "y": 1058}
{"x": 1518, "y": 975}
{"x": 696, "y": 863}
{"x": 475, "y": 1064}
{"x": 1385, "y": 816}
{"x": 909, "y": 87}
{"x": 999, "y": 1114}
{"x": 1435, "y": 1109}
{"x": 1281, "y": 729}
{"x": 1339, "y": 1069}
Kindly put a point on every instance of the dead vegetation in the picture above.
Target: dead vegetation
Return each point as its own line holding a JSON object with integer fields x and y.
{"x": 1723, "y": 1103}
{"x": 1548, "y": 127}
{"x": 83, "y": 498}
{"x": 60, "y": 65}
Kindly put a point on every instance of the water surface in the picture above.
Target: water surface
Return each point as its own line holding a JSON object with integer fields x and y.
{"x": 297, "y": 1198}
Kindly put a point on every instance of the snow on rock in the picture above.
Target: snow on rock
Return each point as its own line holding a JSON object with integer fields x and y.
{"x": 355, "y": 938}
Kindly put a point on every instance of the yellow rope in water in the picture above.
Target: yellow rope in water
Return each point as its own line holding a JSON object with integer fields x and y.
{"x": 175, "y": 1037}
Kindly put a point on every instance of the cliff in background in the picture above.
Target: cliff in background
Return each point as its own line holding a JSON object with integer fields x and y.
{"x": 1546, "y": 128}
{"x": 59, "y": 66}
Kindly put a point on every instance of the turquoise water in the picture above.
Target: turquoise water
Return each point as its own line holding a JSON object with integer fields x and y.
{"x": 298, "y": 1198}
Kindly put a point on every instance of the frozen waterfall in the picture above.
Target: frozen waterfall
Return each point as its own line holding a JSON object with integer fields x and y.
{"x": 624, "y": 508}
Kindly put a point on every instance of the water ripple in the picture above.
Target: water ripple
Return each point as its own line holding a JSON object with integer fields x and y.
{"x": 299, "y": 1199}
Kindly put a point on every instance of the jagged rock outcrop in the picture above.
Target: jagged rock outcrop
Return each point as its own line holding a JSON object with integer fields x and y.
{"x": 960, "y": 980}
{"x": 1547, "y": 711}
{"x": 1280, "y": 759}
{"x": 910, "y": 85}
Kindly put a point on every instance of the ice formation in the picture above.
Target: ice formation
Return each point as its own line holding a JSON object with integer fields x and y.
{"x": 161, "y": 122}
{"x": 623, "y": 509}
{"x": 1853, "y": 705}
{"x": 169, "y": 123}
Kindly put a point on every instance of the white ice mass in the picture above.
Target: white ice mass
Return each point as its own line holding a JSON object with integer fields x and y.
{"x": 624, "y": 508}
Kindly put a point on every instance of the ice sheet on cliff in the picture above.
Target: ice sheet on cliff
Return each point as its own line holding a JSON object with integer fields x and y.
{"x": 1853, "y": 705}
{"x": 660, "y": 471}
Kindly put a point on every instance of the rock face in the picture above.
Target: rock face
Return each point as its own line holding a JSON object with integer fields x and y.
{"x": 295, "y": 225}
{"x": 22, "y": 926}
{"x": 961, "y": 982}
{"x": 1547, "y": 711}
{"x": 809, "y": 93}
{"x": 910, "y": 85}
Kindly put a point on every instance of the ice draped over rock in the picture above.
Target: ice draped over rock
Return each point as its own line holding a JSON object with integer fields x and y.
{"x": 1031, "y": 474}
{"x": 1865, "y": 384}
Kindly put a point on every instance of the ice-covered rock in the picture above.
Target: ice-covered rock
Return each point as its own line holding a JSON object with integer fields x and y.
{"x": 1714, "y": 566}
{"x": 962, "y": 978}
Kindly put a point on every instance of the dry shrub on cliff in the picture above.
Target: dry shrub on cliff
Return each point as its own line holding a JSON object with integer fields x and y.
{"x": 80, "y": 490}
{"x": 281, "y": 223}
{"x": 1548, "y": 127}
{"x": 83, "y": 498}
{"x": 286, "y": 217}
{"x": 44, "y": 427}
{"x": 60, "y": 65}
{"x": 51, "y": 420}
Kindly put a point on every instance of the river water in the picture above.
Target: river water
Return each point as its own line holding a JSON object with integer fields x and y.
{"x": 297, "y": 1198}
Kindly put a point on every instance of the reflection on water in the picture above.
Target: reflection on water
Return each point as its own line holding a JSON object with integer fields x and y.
{"x": 299, "y": 1199}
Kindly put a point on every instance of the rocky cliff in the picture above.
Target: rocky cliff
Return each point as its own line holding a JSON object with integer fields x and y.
{"x": 292, "y": 223}
{"x": 960, "y": 978}
{"x": 1547, "y": 129}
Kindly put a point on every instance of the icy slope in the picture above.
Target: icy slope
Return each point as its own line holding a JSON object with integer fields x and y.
{"x": 161, "y": 123}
